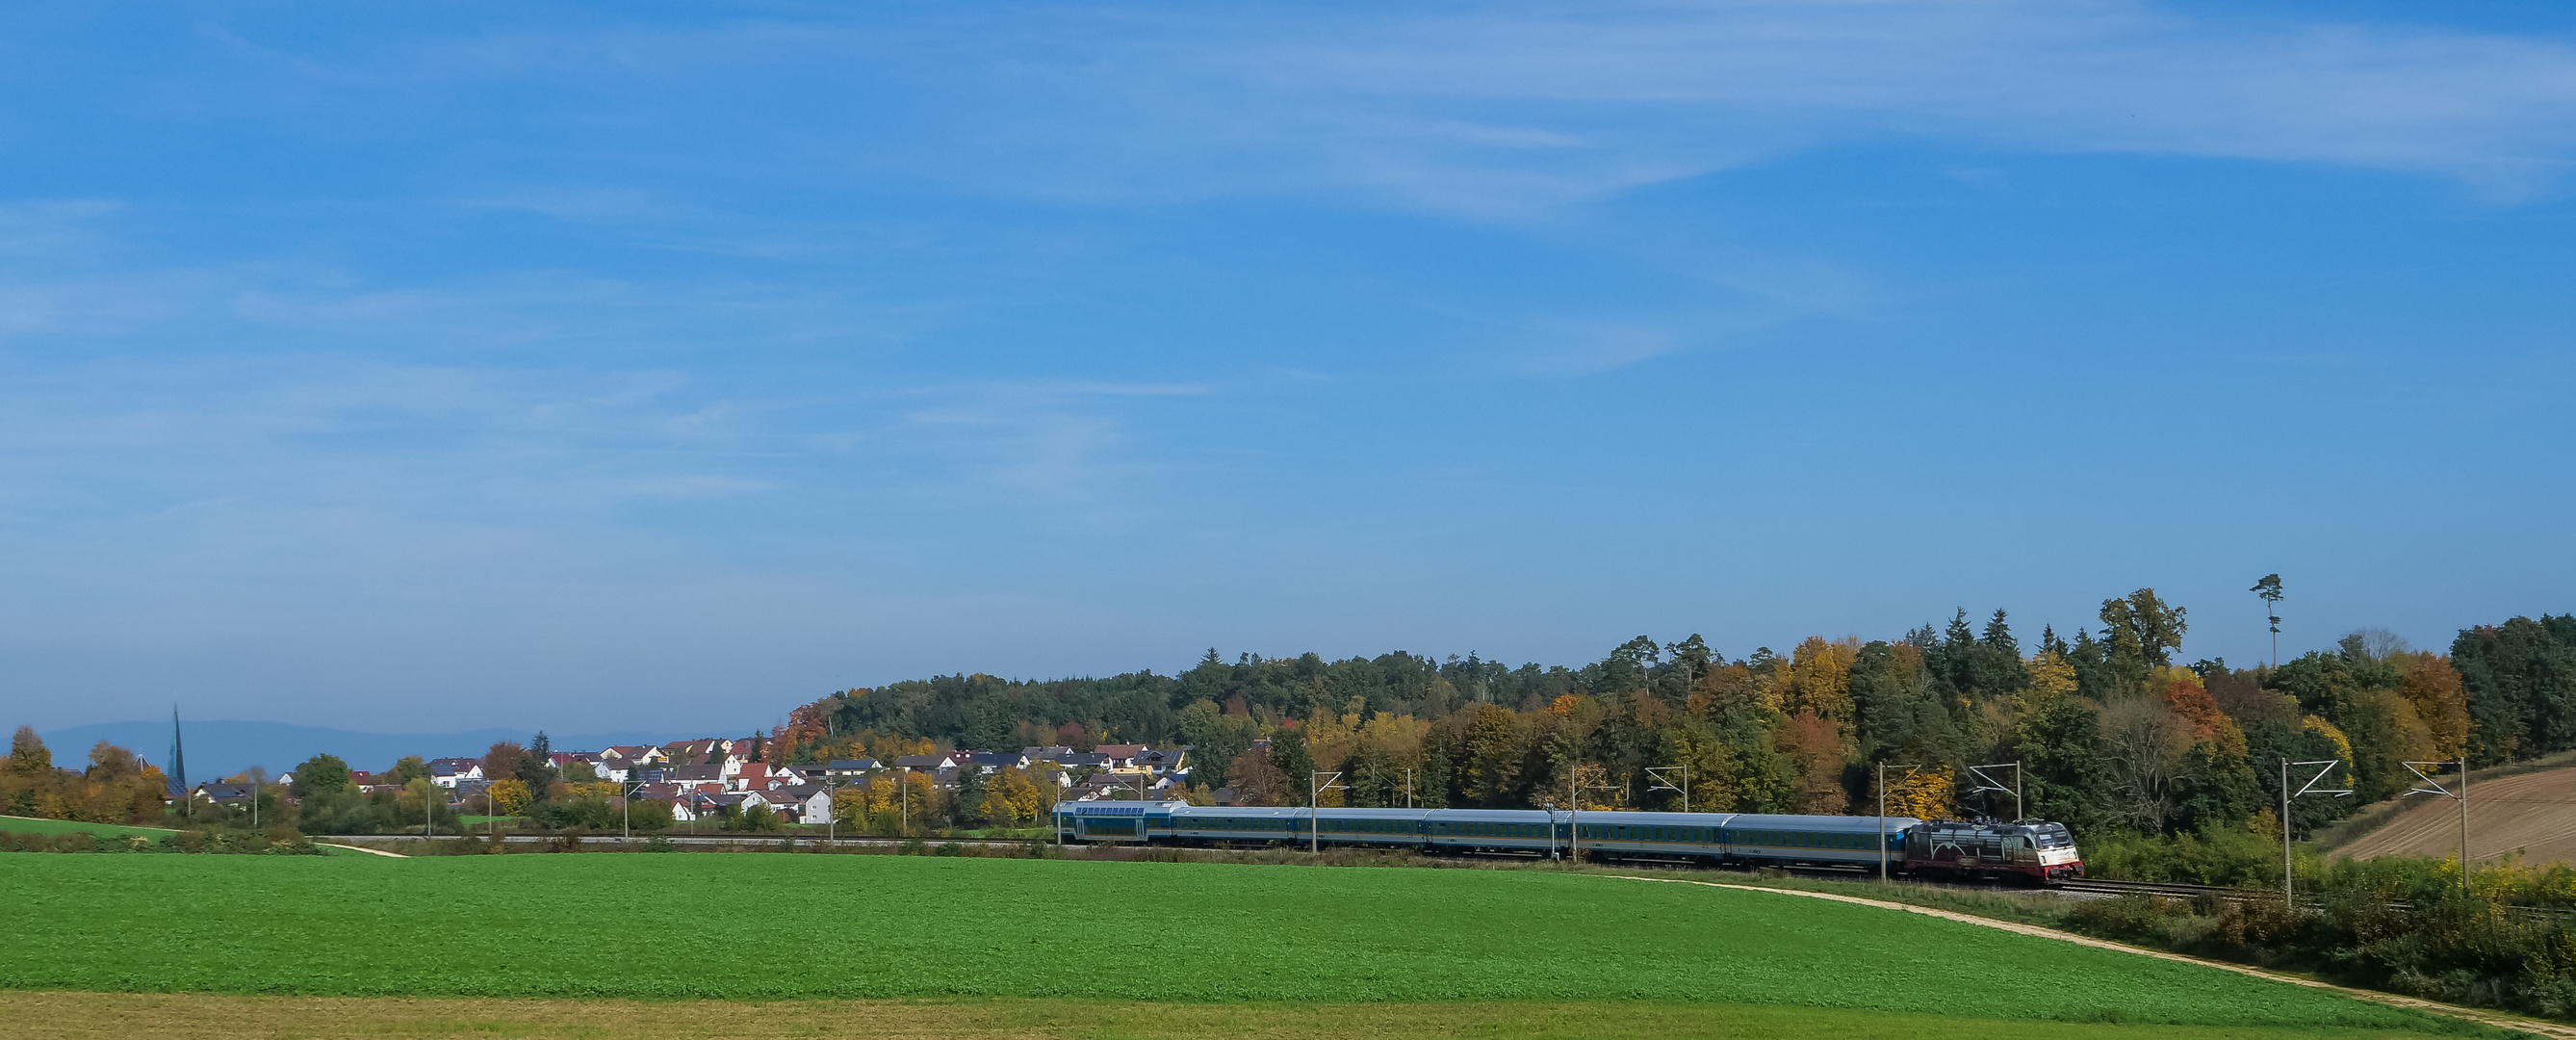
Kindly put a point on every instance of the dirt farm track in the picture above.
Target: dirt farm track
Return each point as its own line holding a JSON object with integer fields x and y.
{"x": 2534, "y": 813}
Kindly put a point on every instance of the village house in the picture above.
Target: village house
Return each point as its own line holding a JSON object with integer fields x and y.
{"x": 1125, "y": 787}
{"x": 449, "y": 772}
{"x": 622, "y": 755}
{"x": 989, "y": 762}
{"x": 756, "y": 776}
{"x": 699, "y": 776}
{"x": 563, "y": 762}
{"x": 802, "y": 804}
{"x": 1120, "y": 757}
{"x": 222, "y": 793}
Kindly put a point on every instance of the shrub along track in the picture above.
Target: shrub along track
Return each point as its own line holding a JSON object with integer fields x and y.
{"x": 2548, "y": 1029}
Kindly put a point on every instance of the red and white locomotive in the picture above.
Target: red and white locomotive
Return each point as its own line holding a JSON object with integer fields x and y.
{"x": 2036, "y": 850}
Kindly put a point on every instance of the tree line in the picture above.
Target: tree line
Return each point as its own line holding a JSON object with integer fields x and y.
{"x": 2113, "y": 731}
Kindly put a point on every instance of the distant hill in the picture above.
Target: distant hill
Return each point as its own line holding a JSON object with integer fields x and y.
{"x": 223, "y": 747}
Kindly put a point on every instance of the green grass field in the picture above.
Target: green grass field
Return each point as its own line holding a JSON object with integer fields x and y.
{"x": 654, "y": 927}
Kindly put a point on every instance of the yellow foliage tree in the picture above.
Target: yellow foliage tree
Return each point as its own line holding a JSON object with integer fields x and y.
{"x": 512, "y": 795}
{"x": 2052, "y": 679}
{"x": 1928, "y": 794}
{"x": 1011, "y": 797}
{"x": 2433, "y": 687}
{"x": 2343, "y": 744}
{"x": 1819, "y": 678}
{"x": 850, "y": 803}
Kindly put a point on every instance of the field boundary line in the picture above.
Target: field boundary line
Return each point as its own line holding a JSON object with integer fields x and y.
{"x": 364, "y": 849}
{"x": 2549, "y": 1029}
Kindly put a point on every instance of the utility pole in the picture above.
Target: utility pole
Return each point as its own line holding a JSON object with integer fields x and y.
{"x": 1663, "y": 778}
{"x": 1987, "y": 782}
{"x": 1882, "y": 816}
{"x": 2433, "y": 787}
{"x": 2326, "y": 766}
{"x": 1574, "y": 788}
{"x": 1317, "y": 784}
{"x": 903, "y": 788}
{"x": 1408, "y": 788}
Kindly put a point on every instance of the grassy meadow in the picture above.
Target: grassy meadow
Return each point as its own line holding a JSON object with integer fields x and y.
{"x": 879, "y": 927}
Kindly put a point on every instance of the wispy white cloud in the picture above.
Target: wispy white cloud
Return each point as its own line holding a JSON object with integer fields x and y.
{"x": 1500, "y": 108}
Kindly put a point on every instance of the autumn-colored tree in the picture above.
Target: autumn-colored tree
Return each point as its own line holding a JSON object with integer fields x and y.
{"x": 1491, "y": 774}
{"x": 1926, "y": 794}
{"x": 1588, "y": 784}
{"x": 2432, "y": 686}
{"x": 1010, "y": 797}
{"x": 512, "y": 795}
{"x": 110, "y": 762}
{"x": 1815, "y": 748}
{"x": 1256, "y": 781}
{"x": 28, "y": 755}
{"x": 1819, "y": 679}
{"x": 2184, "y": 694}
{"x": 2323, "y": 727}
{"x": 851, "y": 804}
{"x": 503, "y": 761}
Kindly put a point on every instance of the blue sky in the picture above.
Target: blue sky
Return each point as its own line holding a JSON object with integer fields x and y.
{"x": 436, "y": 367}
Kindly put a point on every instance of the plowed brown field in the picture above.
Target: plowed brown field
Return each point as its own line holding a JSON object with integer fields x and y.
{"x": 2534, "y": 813}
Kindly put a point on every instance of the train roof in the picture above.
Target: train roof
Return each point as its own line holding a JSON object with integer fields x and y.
{"x": 1820, "y": 823}
{"x": 1278, "y": 811}
{"x": 1119, "y": 808}
{"x": 1752, "y": 821}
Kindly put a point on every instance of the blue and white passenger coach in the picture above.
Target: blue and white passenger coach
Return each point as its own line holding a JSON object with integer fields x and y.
{"x": 1742, "y": 839}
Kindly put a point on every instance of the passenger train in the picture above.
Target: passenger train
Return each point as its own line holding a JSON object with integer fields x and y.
{"x": 2031, "y": 851}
